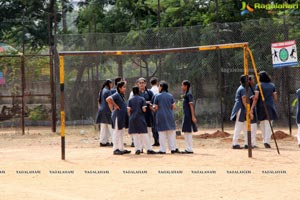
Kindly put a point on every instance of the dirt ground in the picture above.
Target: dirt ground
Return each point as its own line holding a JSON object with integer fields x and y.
{"x": 31, "y": 168}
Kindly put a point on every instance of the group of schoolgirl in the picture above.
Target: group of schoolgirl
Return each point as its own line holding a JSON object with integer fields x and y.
{"x": 146, "y": 111}
{"x": 257, "y": 112}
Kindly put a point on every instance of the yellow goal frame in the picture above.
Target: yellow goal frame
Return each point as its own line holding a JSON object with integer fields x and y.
{"x": 246, "y": 51}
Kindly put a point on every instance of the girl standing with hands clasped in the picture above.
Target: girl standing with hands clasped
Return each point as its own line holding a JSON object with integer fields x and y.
{"x": 118, "y": 106}
{"x": 165, "y": 122}
{"x": 104, "y": 114}
{"x": 189, "y": 119}
{"x": 137, "y": 122}
{"x": 238, "y": 113}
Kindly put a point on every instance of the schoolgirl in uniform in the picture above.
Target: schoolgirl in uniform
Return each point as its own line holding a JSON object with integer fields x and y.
{"x": 165, "y": 122}
{"x": 137, "y": 123}
{"x": 104, "y": 114}
{"x": 270, "y": 94}
{"x": 298, "y": 115}
{"x": 131, "y": 95}
{"x": 147, "y": 95}
{"x": 189, "y": 119}
{"x": 238, "y": 113}
{"x": 118, "y": 104}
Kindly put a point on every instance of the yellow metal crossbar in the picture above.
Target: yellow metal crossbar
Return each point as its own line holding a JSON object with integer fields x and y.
{"x": 156, "y": 51}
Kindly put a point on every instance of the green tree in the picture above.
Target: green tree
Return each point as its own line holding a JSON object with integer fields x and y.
{"x": 28, "y": 21}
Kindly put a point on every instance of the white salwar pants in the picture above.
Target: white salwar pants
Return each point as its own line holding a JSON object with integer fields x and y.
{"x": 266, "y": 131}
{"x": 105, "y": 133}
{"x": 169, "y": 136}
{"x": 141, "y": 140}
{"x": 149, "y": 130}
{"x": 238, "y": 127}
{"x": 253, "y": 134}
{"x": 188, "y": 138}
{"x": 118, "y": 136}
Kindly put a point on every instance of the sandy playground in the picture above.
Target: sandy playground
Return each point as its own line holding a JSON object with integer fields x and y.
{"x": 31, "y": 168}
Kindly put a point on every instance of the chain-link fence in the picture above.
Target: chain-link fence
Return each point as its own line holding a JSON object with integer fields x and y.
{"x": 10, "y": 115}
{"x": 214, "y": 74}
{"x": 25, "y": 90}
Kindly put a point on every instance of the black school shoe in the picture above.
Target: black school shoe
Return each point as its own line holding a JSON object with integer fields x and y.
{"x": 253, "y": 147}
{"x": 155, "y": 144}
{"x": 161, "y": 152}
{"x": 102, "y": 145}
{"x": 138, "y": 152}
{"x": 151, "y": 152}
{"x": 175, "y": 151}
{"x": 267, "y": 146}
{"x": 118, "y": 152}
{"x": 106, "y": 144}
{"x": 187, "y": 152}
{"x": 126, "y": 151}
{"x": 237, "y": 146}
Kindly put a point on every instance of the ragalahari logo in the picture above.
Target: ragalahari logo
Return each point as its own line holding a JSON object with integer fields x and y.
{"x": 246, "y": 8}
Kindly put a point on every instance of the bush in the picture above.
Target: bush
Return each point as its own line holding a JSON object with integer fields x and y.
{"x": 39, "y": 113}
{"x": 178, "y": 112}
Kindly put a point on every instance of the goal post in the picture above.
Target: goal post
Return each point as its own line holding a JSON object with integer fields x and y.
{"x": 62, "y": 104}
{"x": 244, "y": 46}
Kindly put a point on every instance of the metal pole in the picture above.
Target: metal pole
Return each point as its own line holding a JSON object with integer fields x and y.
{"x": 221, "y": 92}
{"x": 62, "y": 105}
{"x": 289, "y": 100}
{"x": 52, "y": 83}
{"x": 53, "y": 106}
{"x": 219, "y": 66}
{"x": 23, "y": 74}
{"x": 22, "y": 94}
{"x": 248, "y": 118}
{"x": 54, "y": 62}
{"x": 286, "y": 76}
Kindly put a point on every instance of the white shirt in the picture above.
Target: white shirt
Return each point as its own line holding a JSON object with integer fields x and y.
{"x": 154, "y": 89}
{"x": 130, "y": 95}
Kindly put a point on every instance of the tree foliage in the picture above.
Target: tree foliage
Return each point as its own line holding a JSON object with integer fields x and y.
{"x": 28, "y": 21}
{"x": 143, "y": 14}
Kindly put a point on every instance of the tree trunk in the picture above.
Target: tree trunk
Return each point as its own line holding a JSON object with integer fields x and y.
{"x": 64, "y": 16}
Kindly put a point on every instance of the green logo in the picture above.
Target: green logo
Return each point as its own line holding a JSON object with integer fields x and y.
{"x": 283, "y": 54}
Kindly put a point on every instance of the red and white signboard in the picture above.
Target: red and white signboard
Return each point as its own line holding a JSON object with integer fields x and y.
{"x": 284, "y": 54}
